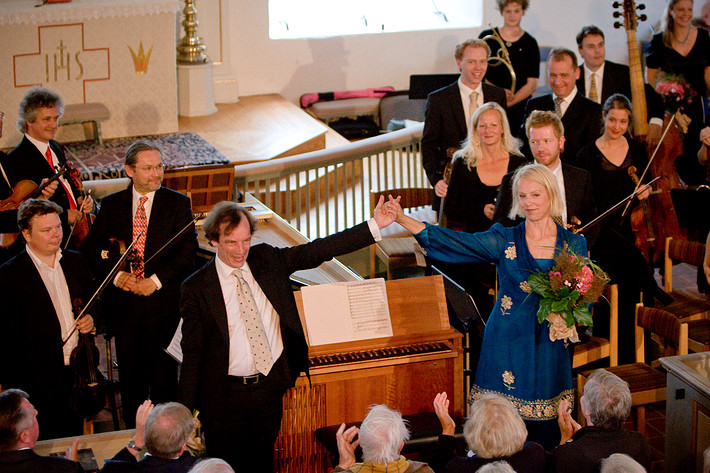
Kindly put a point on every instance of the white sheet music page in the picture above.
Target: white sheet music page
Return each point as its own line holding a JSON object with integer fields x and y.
{"x": 346, "y": 311}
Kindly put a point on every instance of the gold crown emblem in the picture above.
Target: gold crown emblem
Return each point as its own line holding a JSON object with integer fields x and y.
{"x": 140, "y": 60}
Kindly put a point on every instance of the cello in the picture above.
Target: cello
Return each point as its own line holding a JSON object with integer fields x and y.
{"x": 661, "y": 211}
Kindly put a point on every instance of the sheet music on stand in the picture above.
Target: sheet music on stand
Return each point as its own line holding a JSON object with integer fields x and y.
{"x": 346, "y": 311}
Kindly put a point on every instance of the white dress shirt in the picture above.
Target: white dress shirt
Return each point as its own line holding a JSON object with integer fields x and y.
{"x": 56, "y": 285}
{"x": 561, "y": 183}
{"x": 42, "y": 147}
{"x": 566, "y": 101}
{"x": 466, "y": 92}
{"x": 241, "y": 359}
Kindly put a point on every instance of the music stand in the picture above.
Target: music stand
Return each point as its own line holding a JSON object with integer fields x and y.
{"x": 465, "y": 317}
{"x": 421, "y": 85}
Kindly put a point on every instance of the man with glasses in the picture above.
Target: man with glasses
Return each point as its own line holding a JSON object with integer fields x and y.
{"x": 141, "y": 306}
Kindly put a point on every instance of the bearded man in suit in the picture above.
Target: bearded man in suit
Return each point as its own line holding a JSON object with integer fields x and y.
{"x": 141, "y": 306}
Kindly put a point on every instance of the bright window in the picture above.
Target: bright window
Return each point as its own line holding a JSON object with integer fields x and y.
{"x": 290, "y": 19}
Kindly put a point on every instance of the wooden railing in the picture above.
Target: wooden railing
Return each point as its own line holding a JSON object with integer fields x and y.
{"x": 326, "y": 191}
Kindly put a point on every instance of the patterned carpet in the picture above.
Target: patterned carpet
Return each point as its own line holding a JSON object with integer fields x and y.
{"x": 105, "y": 161}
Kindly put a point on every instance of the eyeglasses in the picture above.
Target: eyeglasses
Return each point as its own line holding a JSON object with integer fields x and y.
{"x": 159, "y": 167}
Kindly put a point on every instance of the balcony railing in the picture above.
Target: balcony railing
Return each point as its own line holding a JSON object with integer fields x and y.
{"x": 326, "y": 191}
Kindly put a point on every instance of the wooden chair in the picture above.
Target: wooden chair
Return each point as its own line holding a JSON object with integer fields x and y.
{"x": 397, "y": 252}
{"x": 646, "y": 384}
{"x": 687, "y": 305}
{"x": 597, "y": 348}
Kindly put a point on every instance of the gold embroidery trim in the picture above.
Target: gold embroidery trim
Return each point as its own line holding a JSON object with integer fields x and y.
{"x": 540, "y": 409}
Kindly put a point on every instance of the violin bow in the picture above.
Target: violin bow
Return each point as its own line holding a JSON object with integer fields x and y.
{"x": 172, "y": 240}
{"x": 81, "y": 209}
{"x": 648, "y": 166}
{"x": 102, "y": 287}
{"x": 609, "y": 211}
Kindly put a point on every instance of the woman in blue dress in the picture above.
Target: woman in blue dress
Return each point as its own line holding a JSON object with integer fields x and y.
{"x": 518, "y": 359}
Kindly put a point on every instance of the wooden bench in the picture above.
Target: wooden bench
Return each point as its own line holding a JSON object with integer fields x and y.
{"x": 91, "y": 114}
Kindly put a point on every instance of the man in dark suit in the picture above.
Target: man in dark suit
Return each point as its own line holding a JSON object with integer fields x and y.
{"x": 164, "y": 431}
{"x": 141, "y": 305}
{"x": 448, "y": 112}
{"x": 599, "y": 79}
{"x": 19, "y": 431}
{"x": 37, "y": 288}
{"x": 240, "y": 297}
{"x": 39, "y": 156}
{"x": 546, "y": 135}
{"x": 582, "y": 118}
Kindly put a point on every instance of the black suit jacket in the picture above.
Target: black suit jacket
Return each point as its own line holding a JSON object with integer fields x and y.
{"x": 205, "y": 334}
{"x": 617, "y": 80}
{"x": 578, "y": 198}
{"x": 31, "y": 340}
{"x": 8, "y": 218}
{"x": 582, "y": 121}
{"x": 27, "y": 461}
{"x": 125, "y": 462}
{"x": 26, "y": 162}
{"x": 445, "y": 126}
{"x": 158, "y": 313}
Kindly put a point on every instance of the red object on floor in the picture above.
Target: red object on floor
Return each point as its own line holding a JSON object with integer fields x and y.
{"x": 308, "y": 99}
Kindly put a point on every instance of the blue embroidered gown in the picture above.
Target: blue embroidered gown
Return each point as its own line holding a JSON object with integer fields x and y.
{"x": 518, "y": 360}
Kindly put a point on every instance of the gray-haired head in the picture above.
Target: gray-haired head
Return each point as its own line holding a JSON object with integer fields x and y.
{"x": 167, "y": 429}
{"x": 34, "y": 99}
{"x": 621, "y": 463}
{"x": 382, "y": 434}
{"x": 606, "y": 400}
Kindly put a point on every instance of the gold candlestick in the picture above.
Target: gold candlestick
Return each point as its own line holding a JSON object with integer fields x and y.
{"x": 191, "y": 50}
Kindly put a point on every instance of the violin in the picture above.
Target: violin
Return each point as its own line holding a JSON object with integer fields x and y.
{"x": 641, "y": 223}
{"x": 89, "y": 392}
{"x": 81, "y": 227}
{"x": 22, "y": 191}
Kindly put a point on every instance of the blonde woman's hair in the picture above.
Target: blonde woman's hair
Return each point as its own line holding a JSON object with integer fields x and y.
{"x": 494, "y": 428}
{"x": 543, "y": 176}
{"x": 470, "y": 151}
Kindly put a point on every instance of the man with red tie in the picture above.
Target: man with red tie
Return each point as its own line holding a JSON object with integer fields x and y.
{"x": 141, "y": 306}
{"x": 39, "y": 156}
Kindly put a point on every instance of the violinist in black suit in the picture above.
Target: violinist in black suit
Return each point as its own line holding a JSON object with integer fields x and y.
{"x": 237, "y": 384}
{"x": 38, "y": 288}
{"x": 582, "y": 118}
{"x": 448, "y": 111}
{"x": 19, "y": 430}
{"x": 38, "y": 156}
{"x": 141, "y": 306}
{"x": 599, "y": 79}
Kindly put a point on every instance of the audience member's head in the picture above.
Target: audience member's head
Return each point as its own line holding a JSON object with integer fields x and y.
{"x": 606, "y": 402}
{"x": 212, "y": 465}
{"x": 382, "y": 435}
{"x": 494, "y": 428}
{"x": 42, "y": 103}
{"x": 706, "y": 461}
{"x": 621, "y": 463}
{"x": 540, "y": 174}
{"x": 496, "y": 467}
{"x": 167, "y": 430}
{"x": 18, "y": 421}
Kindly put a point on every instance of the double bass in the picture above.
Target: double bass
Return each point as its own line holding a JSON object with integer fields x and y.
{"x": 662, "y": 220}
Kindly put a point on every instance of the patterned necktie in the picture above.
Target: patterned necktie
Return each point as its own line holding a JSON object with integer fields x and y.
{"x": 255, "y": 328}
{"x": 472, "y": 106}
{"x": 140, "y": 224}
{"x": 70, "y": 196}
{"x": 593, "y": 93}
{"x": 558, "y": 106}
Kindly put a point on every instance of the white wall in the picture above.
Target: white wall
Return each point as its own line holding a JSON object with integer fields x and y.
{"x": 294, "y": 67}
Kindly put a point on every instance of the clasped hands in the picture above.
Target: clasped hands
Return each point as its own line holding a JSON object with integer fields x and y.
{"x": 130, "y": 283}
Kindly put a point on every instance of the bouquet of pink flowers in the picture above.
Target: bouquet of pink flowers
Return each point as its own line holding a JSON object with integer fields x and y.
{"x": 566, "y": 290}
{"x": 675, "y": 91}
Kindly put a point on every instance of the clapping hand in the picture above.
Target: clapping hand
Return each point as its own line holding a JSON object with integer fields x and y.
{"x": 441, "y": 407}
{"x": 568, "y": 426}
{"x": 347, "y": 443}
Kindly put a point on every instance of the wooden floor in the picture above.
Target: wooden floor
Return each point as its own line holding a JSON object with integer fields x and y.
{"x": 261, "y": 127}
